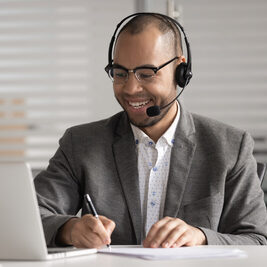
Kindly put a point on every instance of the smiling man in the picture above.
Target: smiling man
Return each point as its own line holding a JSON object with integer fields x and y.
{"x": 168, "y": 180}
{"x": 140, "y": 90}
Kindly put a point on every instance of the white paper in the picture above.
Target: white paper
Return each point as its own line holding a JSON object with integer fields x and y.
{"x": 201, "y": 252}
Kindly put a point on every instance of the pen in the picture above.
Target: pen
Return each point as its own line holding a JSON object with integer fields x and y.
{"x": 92, "y": 207}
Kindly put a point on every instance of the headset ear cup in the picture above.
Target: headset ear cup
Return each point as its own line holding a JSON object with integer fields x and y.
{"x": 180, "y": 73}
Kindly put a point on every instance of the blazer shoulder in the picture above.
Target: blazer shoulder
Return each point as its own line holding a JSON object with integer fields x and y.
{"x": 221, "y": 137}
{"x": 212, "y": 128}
{"x": 222, "y": 143}
{"x": 97, "y": 128}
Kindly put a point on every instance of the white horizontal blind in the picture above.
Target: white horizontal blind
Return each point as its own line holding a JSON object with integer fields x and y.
{"x": 229, "y": 53}
{"x": 50, "y": 69}
{"x": 228, "y": 40}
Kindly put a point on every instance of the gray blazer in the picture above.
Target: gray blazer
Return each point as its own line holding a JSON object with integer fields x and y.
{"x": 212, "y": 183}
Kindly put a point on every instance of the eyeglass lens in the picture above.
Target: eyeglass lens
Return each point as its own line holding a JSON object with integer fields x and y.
{"x": 120, "y": 75}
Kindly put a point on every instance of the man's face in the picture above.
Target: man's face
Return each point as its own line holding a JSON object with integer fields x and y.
{"x": 148, "y": 48}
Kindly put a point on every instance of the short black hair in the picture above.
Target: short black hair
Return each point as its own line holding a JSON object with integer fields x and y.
{"x": 138, "y": 24}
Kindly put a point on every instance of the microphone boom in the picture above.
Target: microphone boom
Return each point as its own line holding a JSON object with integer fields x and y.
{"x": 155, "y": 110}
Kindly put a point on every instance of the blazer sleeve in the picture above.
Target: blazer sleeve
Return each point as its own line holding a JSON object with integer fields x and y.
{"x": 58, "y": 190}
{"x": 244, "y": 218}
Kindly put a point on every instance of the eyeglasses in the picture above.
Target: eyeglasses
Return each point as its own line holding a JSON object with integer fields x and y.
{"x": 144, "y": 74}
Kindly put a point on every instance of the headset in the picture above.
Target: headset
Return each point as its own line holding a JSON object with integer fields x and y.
{"x": 183, "y": 72}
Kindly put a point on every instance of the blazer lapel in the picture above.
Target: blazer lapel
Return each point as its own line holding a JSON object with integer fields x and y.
{"x": 181, "y": 159}
{"x": 126, "y": 162}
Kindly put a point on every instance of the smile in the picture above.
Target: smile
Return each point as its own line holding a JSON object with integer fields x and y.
{"x": 138, "y": 105}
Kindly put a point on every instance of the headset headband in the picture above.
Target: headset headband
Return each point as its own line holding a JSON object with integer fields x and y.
{"x": 178, "y": 25}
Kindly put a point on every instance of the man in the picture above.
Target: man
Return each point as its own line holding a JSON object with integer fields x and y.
{"x": 176, "y": 179}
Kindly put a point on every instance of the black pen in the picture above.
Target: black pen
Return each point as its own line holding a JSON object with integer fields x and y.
{"x": 92, "y": 207}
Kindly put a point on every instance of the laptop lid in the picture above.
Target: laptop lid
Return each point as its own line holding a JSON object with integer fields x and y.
{"x": 21, "y": 230}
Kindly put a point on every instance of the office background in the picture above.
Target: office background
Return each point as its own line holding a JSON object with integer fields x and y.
{"x": 53, "y": 53}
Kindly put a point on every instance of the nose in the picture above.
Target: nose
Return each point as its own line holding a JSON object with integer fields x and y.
{"x": 132, "y": 85}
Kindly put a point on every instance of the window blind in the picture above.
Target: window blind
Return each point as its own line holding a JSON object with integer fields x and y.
{"x": 52, "y": 58}
{"x": 229, "y": 49}
{"x": 229, "y": 55}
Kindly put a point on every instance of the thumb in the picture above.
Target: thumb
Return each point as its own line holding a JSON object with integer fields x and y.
{"x": 108, "y": 224}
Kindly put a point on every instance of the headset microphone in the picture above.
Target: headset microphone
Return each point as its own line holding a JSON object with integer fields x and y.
{"x": 155, "y": 110}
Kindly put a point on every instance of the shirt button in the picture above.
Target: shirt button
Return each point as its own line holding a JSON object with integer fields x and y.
{"x": 152, "y": 203}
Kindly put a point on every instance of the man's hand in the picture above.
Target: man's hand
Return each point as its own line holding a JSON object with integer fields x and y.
{"x": 173, "y": 232}
{"x": 87, "y": 232}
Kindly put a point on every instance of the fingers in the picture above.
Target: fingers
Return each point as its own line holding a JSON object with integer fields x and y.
{"x": 156, "y": 233}
{"x": 173, "y": 232}
{"x": 176, "y": 237}
{"x": 92, "y": 241}
{"x": 108, "y": 224}
{"x": 96, "y": 226}
{"x": 92, "y": 232}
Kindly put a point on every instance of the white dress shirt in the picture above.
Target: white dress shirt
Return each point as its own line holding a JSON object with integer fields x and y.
{"x": 153, "y": 172}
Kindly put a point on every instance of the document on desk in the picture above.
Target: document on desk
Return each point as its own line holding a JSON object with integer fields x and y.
{"x": 201, "y": 252}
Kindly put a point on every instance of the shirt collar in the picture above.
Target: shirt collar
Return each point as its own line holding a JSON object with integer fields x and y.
{"x": 168, "y": 136}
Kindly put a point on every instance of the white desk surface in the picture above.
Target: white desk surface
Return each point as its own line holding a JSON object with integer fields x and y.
{"x": 257, "y": 257}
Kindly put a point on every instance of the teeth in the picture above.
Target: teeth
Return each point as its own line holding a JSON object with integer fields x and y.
{"x": 138, "y": 104}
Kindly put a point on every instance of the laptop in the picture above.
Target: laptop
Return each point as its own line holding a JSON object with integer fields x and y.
{"x": 21, "y": 230}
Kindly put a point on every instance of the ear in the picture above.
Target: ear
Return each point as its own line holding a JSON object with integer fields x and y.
{"x": 180, "y": 72}
{"x": 182, "y": 59}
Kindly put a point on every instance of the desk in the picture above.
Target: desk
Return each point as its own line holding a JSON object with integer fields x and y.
{"x": 257, "y": 257}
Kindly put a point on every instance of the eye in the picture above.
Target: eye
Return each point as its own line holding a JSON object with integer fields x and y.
{"x": 145, "y": 74}
{"x": 119, "y": 73}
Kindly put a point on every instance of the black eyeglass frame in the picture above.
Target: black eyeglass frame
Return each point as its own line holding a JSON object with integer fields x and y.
{"x": 108, "y": 68}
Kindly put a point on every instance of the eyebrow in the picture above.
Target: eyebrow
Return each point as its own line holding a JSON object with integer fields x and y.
{"x": 138, "y": 67}
{"x": 147, "y": 65}
{"x": 118, "y": 65}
